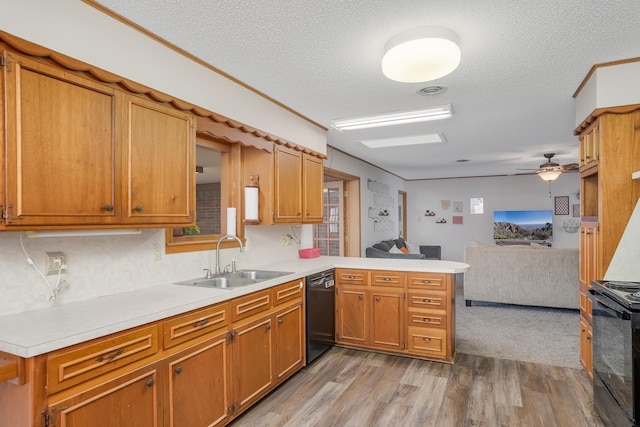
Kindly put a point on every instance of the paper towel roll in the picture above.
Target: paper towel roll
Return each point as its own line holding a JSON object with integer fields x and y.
{"x": 306, "y": 236}
{"x": 251, "y": 203}
{"x": 231, "y": 221}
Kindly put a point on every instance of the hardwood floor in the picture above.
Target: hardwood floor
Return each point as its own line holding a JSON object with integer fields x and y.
{"x": 357, "y": 388}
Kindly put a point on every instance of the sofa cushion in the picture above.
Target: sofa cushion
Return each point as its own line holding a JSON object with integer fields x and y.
{"x": 383, "y": 246}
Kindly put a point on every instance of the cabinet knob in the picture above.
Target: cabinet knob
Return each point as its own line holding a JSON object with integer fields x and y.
{"x": 138, "y": 208}
{"x": 108, "y": 208}
{"x": 377, "y": 298}
{"x": 280, "y": 321}
{"x": 150, "y": 383}
{"x": 178, "y": 370}
{"x": 360, "y": 297}
{"x": 299, "y": 213}
{"x": 268, "y": 327}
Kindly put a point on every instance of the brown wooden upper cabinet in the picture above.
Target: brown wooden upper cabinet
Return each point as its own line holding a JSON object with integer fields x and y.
{"x": 80, "y": 153}
{"x": 291, "y": 184}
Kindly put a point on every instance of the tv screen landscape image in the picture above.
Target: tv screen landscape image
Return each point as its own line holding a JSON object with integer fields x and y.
{"x": 523, "y": 225}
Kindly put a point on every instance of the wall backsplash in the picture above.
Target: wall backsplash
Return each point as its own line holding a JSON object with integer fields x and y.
{"x": 105, "y": 265}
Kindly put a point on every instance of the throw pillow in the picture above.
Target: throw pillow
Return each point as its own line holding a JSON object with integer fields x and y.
{"x": 400, "y": 243}
{"x": 538, "y": 246}
{"x": 413, "y": 248}
{"x": 395, "y": 250}
{"x": 404, "y": 250}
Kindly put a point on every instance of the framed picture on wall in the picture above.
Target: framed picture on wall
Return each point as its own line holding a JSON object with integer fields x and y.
{"x": 561, "y": 205}
{"x": 457, "y": 206}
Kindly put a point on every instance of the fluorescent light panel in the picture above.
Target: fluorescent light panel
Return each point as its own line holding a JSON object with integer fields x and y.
{"x": 81, "y": 233}
{"x": 431, "y": 138}
{"x": 398, "y": 118}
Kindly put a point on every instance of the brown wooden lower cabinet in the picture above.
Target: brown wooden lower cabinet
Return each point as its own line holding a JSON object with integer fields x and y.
{"x": 205, "y": 372}
{"x": 199, "y": 389}
{"x": 586, "y": 347}
{"x": 402, "y": 313}
{"x": 129, "y": 400}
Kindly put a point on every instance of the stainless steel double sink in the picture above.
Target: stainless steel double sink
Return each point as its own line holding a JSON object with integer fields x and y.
{"x": 235, "y": 280}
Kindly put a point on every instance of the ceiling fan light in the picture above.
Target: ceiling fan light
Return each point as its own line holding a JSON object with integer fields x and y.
{"x": 549, "y": 175}
{"x": 421, "y": 55}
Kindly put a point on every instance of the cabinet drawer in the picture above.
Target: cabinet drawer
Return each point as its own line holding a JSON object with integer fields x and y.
{"x": 201, "y": 322}
{"x": 427, "y": 341}
{"x": 352, "y": 277}
{"x": 393, "y": 279}
{"x": 67, "y": 368}
{"x": 437, "y": 300}
{"x": 428, "y": 319}
{"x": 288, "y": 291}
{"x": 247, "y": 306}
{"x": 435, "y": 281}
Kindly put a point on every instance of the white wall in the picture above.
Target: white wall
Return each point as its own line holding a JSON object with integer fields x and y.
{"x": 499, "y": 193}
{"x": 341, "y": 162}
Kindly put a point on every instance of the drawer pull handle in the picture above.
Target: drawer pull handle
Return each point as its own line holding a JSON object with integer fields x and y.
{"x": 426, "y": 281}
{"x": 178, "y": 370}
{"x": 110, "y": 357}
{"x": 351, "y": 277}
{"x": 150, "y": 383}
{"x": 428, "y": 301}
{"x": 426, "y": 319}
{"x": 201, "y": 323}
{"x": 386, "y": 279}
{"x": 426, "y": 339}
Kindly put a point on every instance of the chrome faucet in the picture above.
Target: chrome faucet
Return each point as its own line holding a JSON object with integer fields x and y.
{"x": 225, "y": 237}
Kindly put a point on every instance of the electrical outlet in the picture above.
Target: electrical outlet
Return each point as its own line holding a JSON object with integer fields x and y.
{"x": 286, "y": 241}
{"x": 55, "y": 263}
{"x": 157, "y": 253}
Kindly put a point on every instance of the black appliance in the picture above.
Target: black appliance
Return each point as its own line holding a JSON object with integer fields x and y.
{"x": 320, "y": 314}
{"x": 616, "y": 351}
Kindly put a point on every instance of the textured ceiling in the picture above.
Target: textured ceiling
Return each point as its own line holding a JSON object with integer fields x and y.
{"x": 511, "y": 94}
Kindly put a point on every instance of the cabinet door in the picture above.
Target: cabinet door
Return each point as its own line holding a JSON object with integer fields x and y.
{"x": 289, "y": 341}
{"x": 387, "y": 319}
{"x": 312, "y": 180}
{"x": 130, "y": 400}
{"x": 198, "y": 384}
{"x": 61, "y": 147}
{"x": 586, "y": 347}
{"x": 159, "y": 164}
{"x": 252, "y": 361}
{"x": 352, "y": 321}
{"x": 287, "y": 197}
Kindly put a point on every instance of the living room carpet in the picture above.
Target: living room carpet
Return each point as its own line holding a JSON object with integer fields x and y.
{"x": 543, "y": 335}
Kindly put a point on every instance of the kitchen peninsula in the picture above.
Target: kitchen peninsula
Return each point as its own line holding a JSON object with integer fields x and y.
{"x": 70, "y": 356}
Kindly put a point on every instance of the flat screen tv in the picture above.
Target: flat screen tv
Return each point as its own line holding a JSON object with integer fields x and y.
{"x": 523, "y": 225}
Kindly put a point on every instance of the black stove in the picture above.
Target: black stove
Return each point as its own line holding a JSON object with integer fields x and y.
{"x": 625, "y": 293}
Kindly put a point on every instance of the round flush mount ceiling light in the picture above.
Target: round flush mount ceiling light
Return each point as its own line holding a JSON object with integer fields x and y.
{"x": 421, "y": 55}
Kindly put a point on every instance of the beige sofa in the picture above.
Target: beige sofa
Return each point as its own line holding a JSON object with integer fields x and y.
{"x": 524, "y": 275}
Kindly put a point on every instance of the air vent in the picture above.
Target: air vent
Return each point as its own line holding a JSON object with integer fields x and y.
{"x": 431, "y": 90}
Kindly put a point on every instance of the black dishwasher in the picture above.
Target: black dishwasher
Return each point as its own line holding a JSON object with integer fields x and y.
{"x": 320, "y": 314}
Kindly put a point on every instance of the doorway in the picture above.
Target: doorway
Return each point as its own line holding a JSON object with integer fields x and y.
{"x": 339, "y": 234}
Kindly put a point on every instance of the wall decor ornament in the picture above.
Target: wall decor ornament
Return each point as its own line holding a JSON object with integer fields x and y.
{"x": 445, "y": 204}
{"x": 561, "y": 205}
{"x": 456, "y": 219}
{"x": 429, "y": 213}
{"x": 576, "y": 209}
{"x": 441, "y": 221}
{"x": 457, "y": 206}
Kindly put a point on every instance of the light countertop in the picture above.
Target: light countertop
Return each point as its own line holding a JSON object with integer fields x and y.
{"x": 32, "y": 333}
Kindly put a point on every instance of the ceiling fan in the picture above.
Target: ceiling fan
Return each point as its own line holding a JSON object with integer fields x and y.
{"x": 549, "y": 170}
